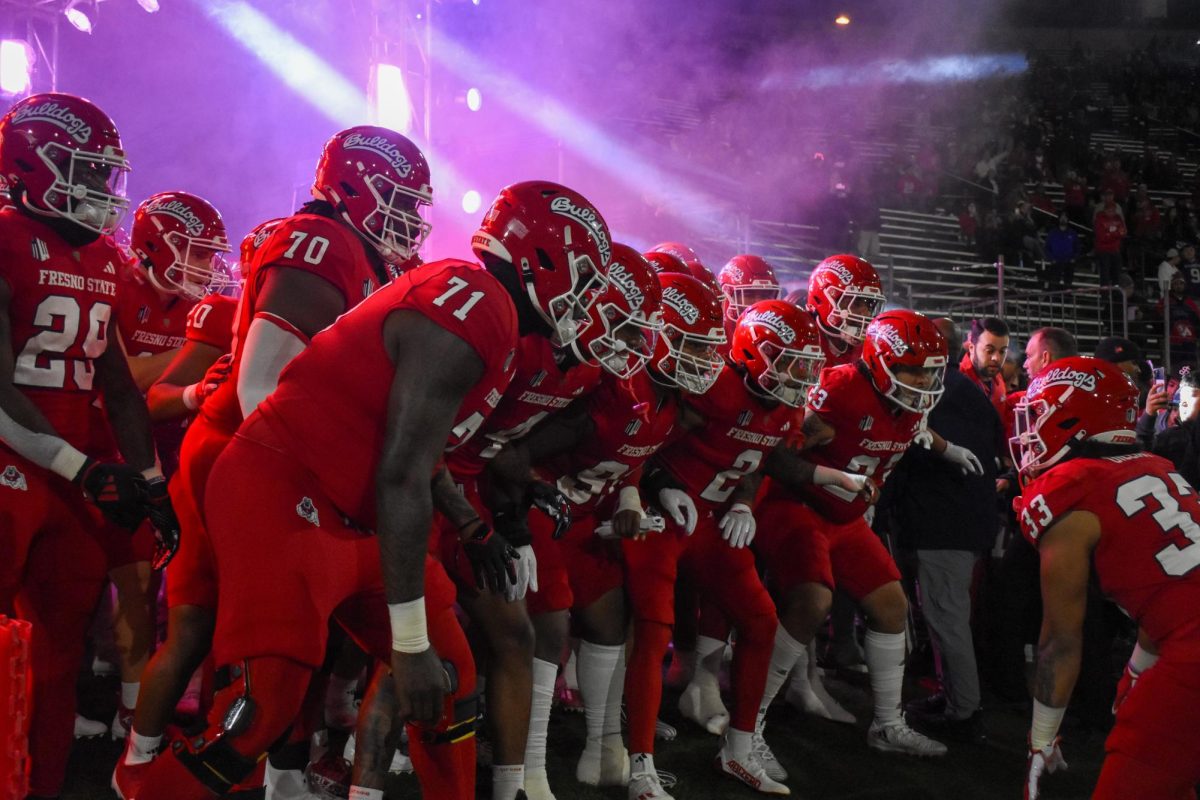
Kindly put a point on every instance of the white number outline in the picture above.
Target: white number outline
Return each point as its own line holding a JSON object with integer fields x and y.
{"x": 1175, "y": 561}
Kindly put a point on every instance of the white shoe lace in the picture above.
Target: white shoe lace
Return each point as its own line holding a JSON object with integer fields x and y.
{"x": 902, "y": 735}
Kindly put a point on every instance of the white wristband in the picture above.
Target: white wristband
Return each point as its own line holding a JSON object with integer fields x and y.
{"x": 1046, "y": 721}
{"x": 409, "y": 631}
{"x": 67, "y": 462}
{"x": 1141, "y": 660}
{"x": 826, "y": 476}
{"x": 630, "y": 499}
{"x": 189, "y": 397}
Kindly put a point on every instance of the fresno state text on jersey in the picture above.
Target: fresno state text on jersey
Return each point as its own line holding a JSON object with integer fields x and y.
{"x": 871, "y": 435}
{"x": 737, "y": 434}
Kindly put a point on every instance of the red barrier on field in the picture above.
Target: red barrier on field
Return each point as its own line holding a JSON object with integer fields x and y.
{"x": 15, "y": 698}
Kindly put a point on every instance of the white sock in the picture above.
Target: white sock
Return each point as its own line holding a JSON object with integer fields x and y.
{"x": 129, "y": 693}
{"x": 738, "y": 742}
{"x": 710, "y": 653}
{"x": 571, "y": 671}
{"x": 359, "y": 793}
{"x": 601, "y": 676}
{"x": 885, "y": 663}
{"x": 544, "y": 674}
{"x": 507, "y": 780}
{"x": 285, "y": 784}
{"x": 642, "y": 764}
{"x": 141, "y": 748}
{"x": 784, "y": 657}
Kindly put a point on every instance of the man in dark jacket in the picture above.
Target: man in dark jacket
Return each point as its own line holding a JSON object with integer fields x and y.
{"x": 949, "y": 520}
{"x": 1181, "y": 444}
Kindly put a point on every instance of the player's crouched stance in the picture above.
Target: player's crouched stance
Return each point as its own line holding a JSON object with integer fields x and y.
{"x": 1090, "y": 498}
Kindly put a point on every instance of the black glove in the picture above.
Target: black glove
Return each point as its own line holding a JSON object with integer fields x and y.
{"x": 511, "y": 523}
{"x": 118, "y": 490}
{"x": 162, "y": 517}
{"x": 554, "y": 504}
{"x": 493, "y": 559}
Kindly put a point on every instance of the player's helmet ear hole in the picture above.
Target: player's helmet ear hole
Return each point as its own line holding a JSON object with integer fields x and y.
{"x": 347, "y": 189}
{"x": 1067, "y": 424}
{"x": 544, "y": 260}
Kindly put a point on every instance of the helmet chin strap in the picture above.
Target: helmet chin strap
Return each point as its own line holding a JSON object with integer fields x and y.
{"x": 74, "y": 234}
{"x": 529, "y": 320}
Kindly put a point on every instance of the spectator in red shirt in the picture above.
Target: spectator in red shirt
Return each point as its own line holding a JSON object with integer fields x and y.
{"x": 968, "y": 223}
{"x": 1147, "y": 222}
{"x": 1109, "y": 227}
{"x": 1184, "y": 316}
{"x": 1075, "y": 197}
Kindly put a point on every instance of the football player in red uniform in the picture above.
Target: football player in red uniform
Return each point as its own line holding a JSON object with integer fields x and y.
{"x": 1091, "y": 503}
{"x": 844, "y": 294}
{"x": 700, "y": 483}
{"x": 315, "y": 265}
{"x": 745, "y": 280}
{"x": 61, "y": 157}
{"x": 411, "y": 372}
{"x": 620, "y": 337}
{"x": 682, "y": 254}
{"x": 861, "y": 418}
{"x": 176, "y": 241}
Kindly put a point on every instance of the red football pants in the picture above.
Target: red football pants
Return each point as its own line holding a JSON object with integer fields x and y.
{"x": 725, "y": 574}
{"x": 191, "y": 575}
{"x": 51, "y": 573}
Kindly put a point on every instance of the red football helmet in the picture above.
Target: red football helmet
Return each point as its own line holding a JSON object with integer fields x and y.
{"x": 63, "y": 155}
{"x": 559, "y": 245}
{"x": 661, "y": 261}
{"x": 378, "y": 181}
{"x": 1073, "y": 400}
{"x": 695, "y": 267}
{"x": 908, "y": 342}
{"x": 744, "y": 281}
{"x": 779, "y": 347}
{"x": 626, "y": 320}
{"x": 179, "y": 238}
{"x": 687, "y": 354}
{"x": 845, "y": 293}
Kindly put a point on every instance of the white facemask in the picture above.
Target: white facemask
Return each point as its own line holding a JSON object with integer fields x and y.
{"x": 1189, "y": 403}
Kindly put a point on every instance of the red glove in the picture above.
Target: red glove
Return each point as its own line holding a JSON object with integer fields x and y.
{"x": 217, "y": 374}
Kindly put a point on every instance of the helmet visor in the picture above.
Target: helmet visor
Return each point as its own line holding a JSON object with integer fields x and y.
{"x": 854, "y": 310}
{"x": 88, "y": 188}
{"x": 790, "y": 373}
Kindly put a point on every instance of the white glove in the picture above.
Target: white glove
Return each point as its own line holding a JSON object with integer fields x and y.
{"x": 964, "y": 458}
{"x": 681, "y": 507}
{"x": 1048, "y": 760}
{"x": 650, "y": 524}
{"x": 526, "y": 575}
{"x": 923, "y": 436}
{"x": 737, "y": 526}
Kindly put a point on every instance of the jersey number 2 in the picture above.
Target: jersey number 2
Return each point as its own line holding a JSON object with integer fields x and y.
{"x": 1131, "y": 497}
{"x": 41, "y": 362}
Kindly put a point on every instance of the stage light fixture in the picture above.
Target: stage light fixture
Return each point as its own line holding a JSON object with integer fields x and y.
{"x": 393, "y": 107}
{"x": 81, "y": 14}
{"x": 16, "y": 66}
{"x": 474, "y": 99}
{"x": 149, "y": 6}
{"x": 842, "y": 19}
{"x": 472, "y": 201}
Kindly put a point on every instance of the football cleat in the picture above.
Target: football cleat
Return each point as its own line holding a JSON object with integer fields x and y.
{"x": 703, "y": 705}
{"x": 749, "y": 769}
{"x": 122, "y": 722}
{"x": 537, "y": 786}
{"x": 811, "y": 697}
{"x": 764, "y": 753}
{"x": 897, "y": 737}
{"x": 88, "y": 728}
{"x": 605, "y": 762}
{"x": 401, "y": 763}
{"x": 127, "y": 778}
{"x": 647, "y": 786}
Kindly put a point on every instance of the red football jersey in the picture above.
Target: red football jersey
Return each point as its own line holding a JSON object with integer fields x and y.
{"x": 871, "y": 436}
{"x": 211, "y": 322}
{"x": 739, "y": 430}
{"x": 539, "y": 388}
{"x": 61, "y": 308}
{"x": 1149, "y": 548}
{"x": 330, "y": 408}
{"x": 632, "y": 421}
{"x": 307, "y": 242}
{"x": 150, "y": 324}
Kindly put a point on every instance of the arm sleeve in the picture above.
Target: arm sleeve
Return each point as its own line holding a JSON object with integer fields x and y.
{"x": 271, "y": 343}
{"x": 45, "y": 450}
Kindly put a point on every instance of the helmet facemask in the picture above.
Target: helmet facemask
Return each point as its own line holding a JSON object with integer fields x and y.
{"x": 852, "y": 311}
{"x": 739, "y": 298}
{"x": 911, "y": 397}
{"x": 91, "y": 193}
{"x": 1027, "y": 447}
{"x": 789, "y": 373}
{"x": 568, "y": 314}
{"x": 628, "y": 340}
{"x": 196, "y": 267}
{"x": 693, "y": 362}
{"x": 395, "y": 227}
